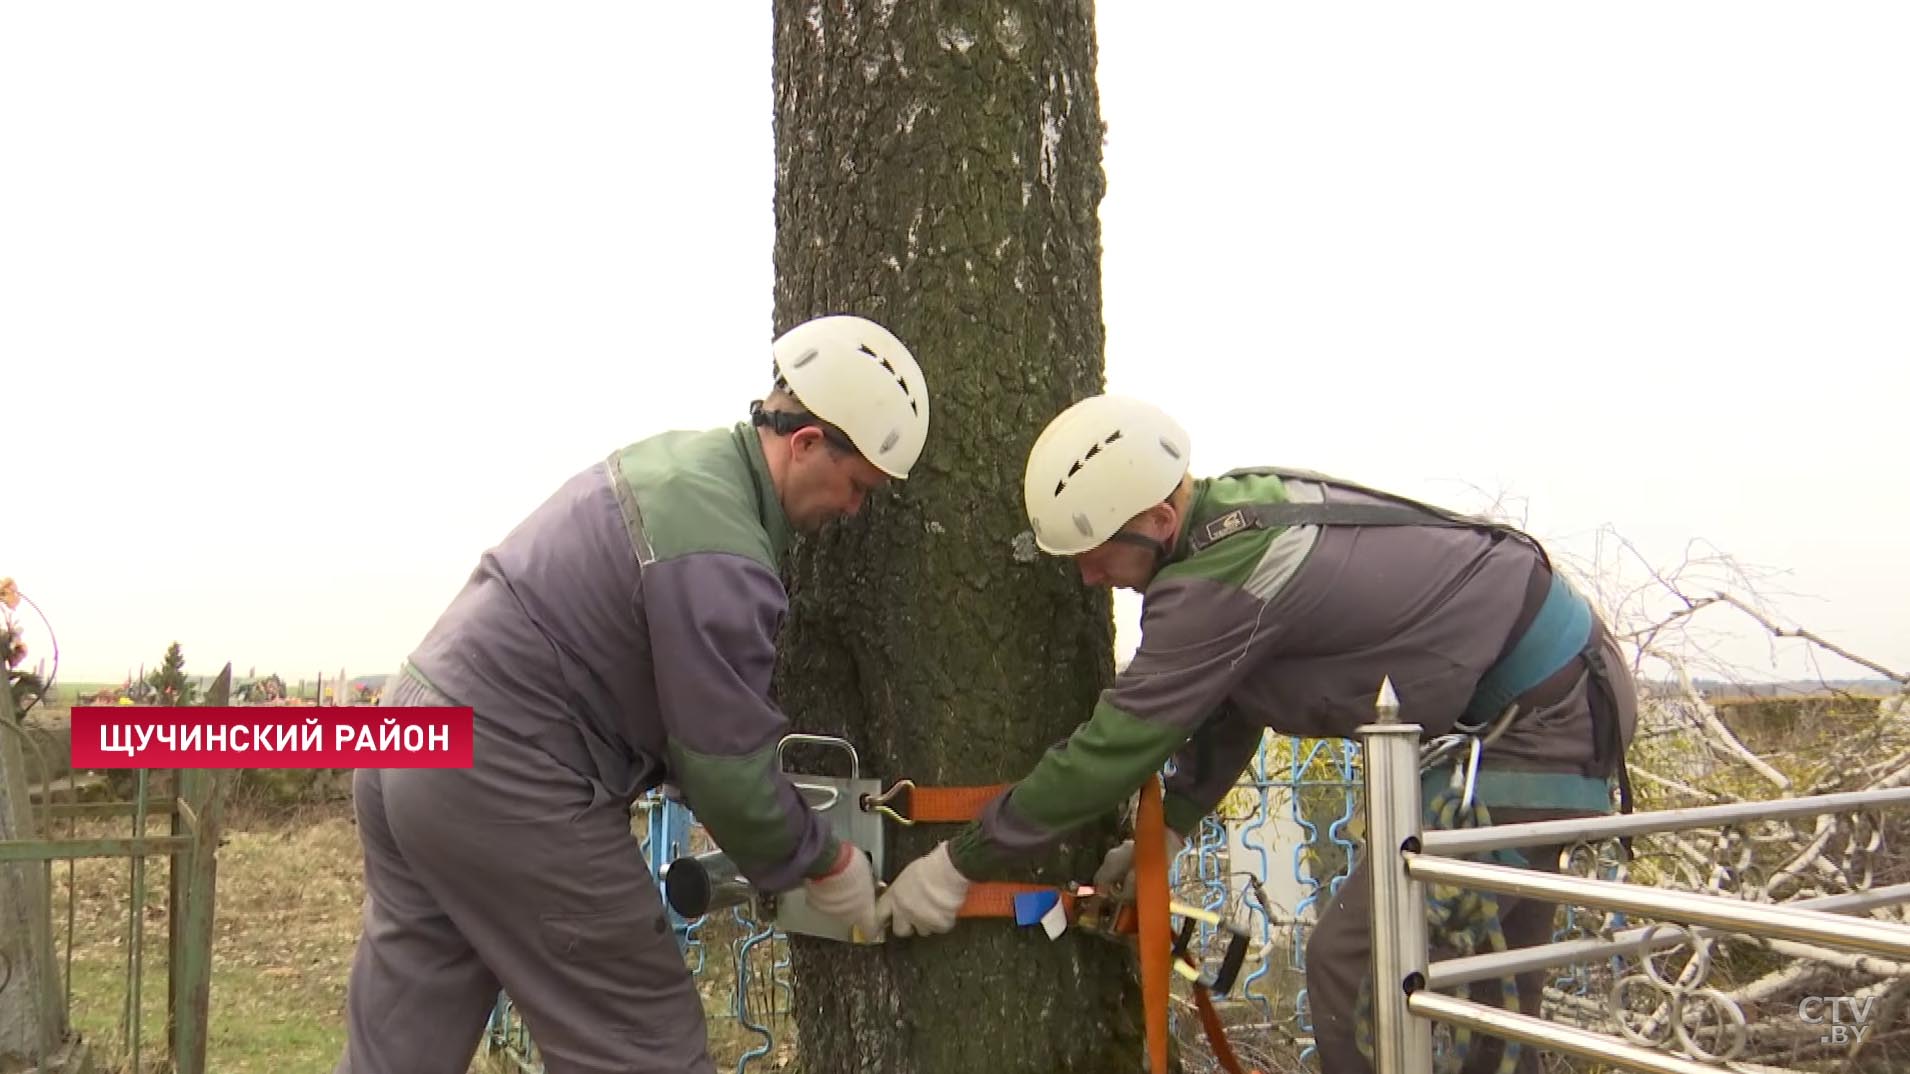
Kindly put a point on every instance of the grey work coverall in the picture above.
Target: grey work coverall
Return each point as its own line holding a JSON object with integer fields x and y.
{"x": 622, "y": 634}
{"x": 1292, "y": 628}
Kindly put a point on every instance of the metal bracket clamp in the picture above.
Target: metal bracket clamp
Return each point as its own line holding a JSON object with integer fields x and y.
{"x": 697, "y": 885}
{"x": 839, "y": 800}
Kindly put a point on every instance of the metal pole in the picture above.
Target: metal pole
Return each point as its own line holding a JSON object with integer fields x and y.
{"x": 1402, "y": 1044}
{"x": 136, "y": 925}
{"x": 1466, "y": 842}
{"x": 1509, "y": 1025}
{"x": 1453, "y": 972}
{"x": 1761, "y": 919}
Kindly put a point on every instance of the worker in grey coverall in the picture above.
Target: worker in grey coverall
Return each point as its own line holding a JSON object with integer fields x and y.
{"x": 1282, "y": 599}
{"x": 622, "y": 635}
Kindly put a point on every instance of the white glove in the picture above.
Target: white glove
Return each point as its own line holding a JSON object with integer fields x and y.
{"x": 847, "y": 893}
{"x": 1115, "y": 877}
{"x": 925, "y": 897}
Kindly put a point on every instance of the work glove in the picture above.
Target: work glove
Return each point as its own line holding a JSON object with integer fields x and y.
{"x": 1115, "y": 877}
{"x": 847, "y": 893}
{"x": 925, "y": 897}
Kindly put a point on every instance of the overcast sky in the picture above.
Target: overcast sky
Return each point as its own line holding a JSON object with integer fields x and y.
{"x": 1644, "y": 267}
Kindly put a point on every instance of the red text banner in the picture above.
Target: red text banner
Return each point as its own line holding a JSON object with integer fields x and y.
{"x": 271, "y": 737}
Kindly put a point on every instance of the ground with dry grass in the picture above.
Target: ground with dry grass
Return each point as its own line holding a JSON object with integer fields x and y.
{"x": 289, "y": 899}
{"x": 289, "y": 895}
{"x": 290, "y": 892}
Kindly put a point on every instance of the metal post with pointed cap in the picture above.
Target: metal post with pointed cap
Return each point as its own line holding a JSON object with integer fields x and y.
{"x": 1386, "y": 707}
{"x": 1402, "y": 1043}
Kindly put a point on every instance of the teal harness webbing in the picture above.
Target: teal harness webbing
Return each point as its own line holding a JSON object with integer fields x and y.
{"x": 1560, "y": 631}
{"x": 1512, "y": 789}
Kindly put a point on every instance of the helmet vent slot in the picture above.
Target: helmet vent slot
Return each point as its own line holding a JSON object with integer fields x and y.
{"x": 914, "y": 407}
{"x": 1096, "y": 450}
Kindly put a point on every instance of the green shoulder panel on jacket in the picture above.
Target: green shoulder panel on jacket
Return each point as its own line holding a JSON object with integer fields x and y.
{"x": 704, "y": 491}
{"x": 1231, "y": 561}
{"x": 735, "y": 799}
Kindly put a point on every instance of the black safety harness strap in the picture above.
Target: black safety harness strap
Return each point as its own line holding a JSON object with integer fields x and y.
{"x": 1403, "y": 511}
{"x": 1397, "y": 511}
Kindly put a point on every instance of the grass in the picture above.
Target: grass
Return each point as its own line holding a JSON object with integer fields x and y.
{"x": 290, "y": 890}
{"x": 288, "y": 903}
{"x": 287, "y": 919}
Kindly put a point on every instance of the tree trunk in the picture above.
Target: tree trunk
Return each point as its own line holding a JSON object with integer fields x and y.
{"x": 940, "y": 172}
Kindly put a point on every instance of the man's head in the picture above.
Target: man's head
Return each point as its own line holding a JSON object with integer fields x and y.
{"x": 1106, "y": 483}
{"x": 848, "y": 413}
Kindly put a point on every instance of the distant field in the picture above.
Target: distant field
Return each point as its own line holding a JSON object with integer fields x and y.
{"x": 66, "y": 693}
{"x": 69, "y": 693}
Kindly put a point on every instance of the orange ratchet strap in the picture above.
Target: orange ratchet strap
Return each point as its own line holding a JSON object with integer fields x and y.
{"x": 992, "y": 899}
{"x": 1216, "y": 1033}
{"x": 909, "y": 804}
{"x": 906, "y": 803}
{"x": 1156, "y": 937}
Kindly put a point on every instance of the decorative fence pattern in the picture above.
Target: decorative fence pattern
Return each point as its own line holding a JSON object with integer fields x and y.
{"x": 1288, "y": 835}
{"x": 1275, "y": 849}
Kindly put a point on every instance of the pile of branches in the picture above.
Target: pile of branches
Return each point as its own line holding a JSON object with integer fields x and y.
{"x": 1707, "y": 738}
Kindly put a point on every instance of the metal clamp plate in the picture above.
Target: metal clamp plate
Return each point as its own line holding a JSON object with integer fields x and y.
{"x": 839, "y": 801}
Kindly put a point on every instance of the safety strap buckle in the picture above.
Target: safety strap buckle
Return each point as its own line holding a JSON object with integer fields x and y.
{"x": 1100, "y": 915}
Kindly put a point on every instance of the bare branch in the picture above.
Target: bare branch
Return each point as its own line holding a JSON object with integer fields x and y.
{"x": 1682, "y": 788}
{"x": 1783, "y": 632}
{"x": 1730, "y": 741}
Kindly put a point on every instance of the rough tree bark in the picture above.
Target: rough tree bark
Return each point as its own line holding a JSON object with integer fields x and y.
{"x": 939, "y": 169}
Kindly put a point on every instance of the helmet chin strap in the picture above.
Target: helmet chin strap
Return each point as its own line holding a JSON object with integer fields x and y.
{"x": 1161, "y": 551}
{"x": 1141, "y": 539}
{"x": 785, "y": 423}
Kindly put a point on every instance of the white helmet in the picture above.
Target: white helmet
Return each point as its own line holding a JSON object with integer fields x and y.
{"x": 1099, "y": 463}
{"x": 855, "y": 375}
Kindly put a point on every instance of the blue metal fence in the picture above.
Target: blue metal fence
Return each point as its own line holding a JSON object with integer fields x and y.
{"x": 1268, "y": 858}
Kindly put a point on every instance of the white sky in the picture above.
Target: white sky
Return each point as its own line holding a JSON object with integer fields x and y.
{"x": 1638, "y": 265}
